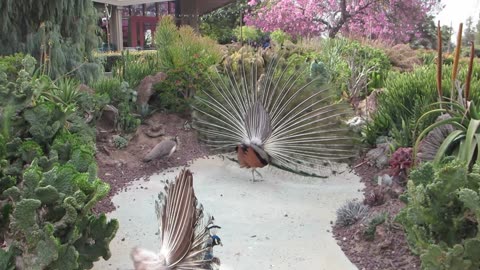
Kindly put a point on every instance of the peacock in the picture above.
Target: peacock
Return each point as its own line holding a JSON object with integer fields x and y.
{"x": 278, "y": 115}
{"x": 187, "y": 236}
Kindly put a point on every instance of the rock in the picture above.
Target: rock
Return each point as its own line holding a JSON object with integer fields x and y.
{"x": 385, "y": 180}
{"x": 356, "y": 123}
{"x": 109, "y": 118}
{"x": 187, "y": 126}
{"x": 379, "y": 155}
{"x": 144, "y": 89}
{"x": 85, "y": 89}
{"x": 155, "y": 130}
{"x": 368, "y": 106}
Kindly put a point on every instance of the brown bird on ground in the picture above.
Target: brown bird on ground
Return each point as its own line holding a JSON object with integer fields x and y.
{"x": 186, "y": 239}
{"x": 285, "y": 118}
{"x": 163, "y": 149}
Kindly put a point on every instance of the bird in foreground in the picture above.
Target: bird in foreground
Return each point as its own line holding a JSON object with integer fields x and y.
{"x": 281, "y": 117}
{"x": 163, "y": 149}
{"x": 187, "y": 236}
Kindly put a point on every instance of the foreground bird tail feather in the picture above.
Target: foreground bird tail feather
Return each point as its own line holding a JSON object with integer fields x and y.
{"x": 285, "y": 113}
{"x": 183, "y": 230}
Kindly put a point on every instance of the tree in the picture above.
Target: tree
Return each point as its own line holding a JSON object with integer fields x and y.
{"x": 220, "y": 23}
{"x": 477, "y": 34}
{"x": 469, "y": 32}
{"x": 426, "y": 34}
{"x": 389, "y": 19}
{"x": 60, "y": 34}
{"x": 447, "y": 32}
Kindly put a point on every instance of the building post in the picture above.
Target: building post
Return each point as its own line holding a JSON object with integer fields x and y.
{"x": 117, "y": 34}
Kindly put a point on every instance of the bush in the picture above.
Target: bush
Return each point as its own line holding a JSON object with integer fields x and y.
{"x": 441, "y": 216}
{"x": 354, "y": 69}
{"x": 247, "y": 34}
{"x": 133, "y": 67}
{"x": 406, "y": 98}
{"x": 48, "y": 181}
{"x": 435, "y": 214}
{"x": 185, "y": 57}
{"x": 279, "y": 37}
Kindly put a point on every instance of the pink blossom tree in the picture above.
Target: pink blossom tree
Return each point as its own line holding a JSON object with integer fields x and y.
{"x": 396, "y": 20}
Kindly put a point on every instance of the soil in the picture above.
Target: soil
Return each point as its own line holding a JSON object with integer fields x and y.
{"x": 120, "y": 167}
{"x": 389, "y": 248}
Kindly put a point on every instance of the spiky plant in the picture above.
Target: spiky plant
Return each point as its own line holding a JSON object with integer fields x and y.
{"x": 285, "y": 118}
{"x": 351, "y": 212}
{"x": 186, "y": 242}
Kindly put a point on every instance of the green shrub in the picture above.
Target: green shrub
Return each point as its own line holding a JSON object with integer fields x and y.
{"x": 132, "y": 68}
{"x": 247, "y": 33}
{"x": 406, "y": 98}
{"x": 354, "y": 68}
{"x": 279, "y": 37}
{"x": 185, "y": 57}
{"x": 11, "y": 65}
{"x": 441, "y": 216}
{"x": 120, "y": 142}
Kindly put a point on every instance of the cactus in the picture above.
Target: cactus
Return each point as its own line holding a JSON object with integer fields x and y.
{"x": 441, "y": 217}
{"x": 369, "y": 232}
{"x": 48, "y": 184}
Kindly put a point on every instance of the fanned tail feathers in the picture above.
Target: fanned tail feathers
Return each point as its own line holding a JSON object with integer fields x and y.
{"x": 286, "y": 113}
{"x": 183, "y": 230}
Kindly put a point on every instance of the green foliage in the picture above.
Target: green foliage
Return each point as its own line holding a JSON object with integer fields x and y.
{"x": 48, "y": 180}
{"x": 279, "y": 37}
{"x": 120, "y": 142}
{"x": 463, "y": 255}
{"x": 434, "y": 212}
{"x": 61, "y": 35}
{"x": 465, "y": 140}
{"x": 122, "y": 97}
{"x": 372, "y": 224}
{"x": 406, "y": 98}
{"x": 132, "y": 68}
{"x": 11, "y": 64}
{"x": 354, "y": 68}
{"x": 185, "y": 57}
{"x": 219, "y": 24}
{"x": 247, "y": 33}
{"x": 441, "y": 216}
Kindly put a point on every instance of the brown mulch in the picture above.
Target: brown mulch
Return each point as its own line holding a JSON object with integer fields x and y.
{"x": 121, "y": 167}
{"x": 389, "y": 249}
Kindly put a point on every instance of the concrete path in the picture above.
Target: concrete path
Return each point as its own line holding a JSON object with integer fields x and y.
{"x": 283, "y": 222}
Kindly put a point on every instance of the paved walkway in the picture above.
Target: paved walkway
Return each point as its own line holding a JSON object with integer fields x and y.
{"x": 282, "y": 222}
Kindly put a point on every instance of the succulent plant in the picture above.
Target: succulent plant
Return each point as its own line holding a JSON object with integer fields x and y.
{"x": 401, "y": 160}
{"x": 351, "y": 212}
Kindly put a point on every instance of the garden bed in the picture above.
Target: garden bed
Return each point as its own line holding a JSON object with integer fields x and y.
{"x": 120, "y": 167}
{"x": 389, "y": 248}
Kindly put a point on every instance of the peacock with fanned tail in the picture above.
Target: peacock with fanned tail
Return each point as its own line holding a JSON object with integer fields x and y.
{"x": 187, "y": 236}
{"x": 282, "y": 117}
